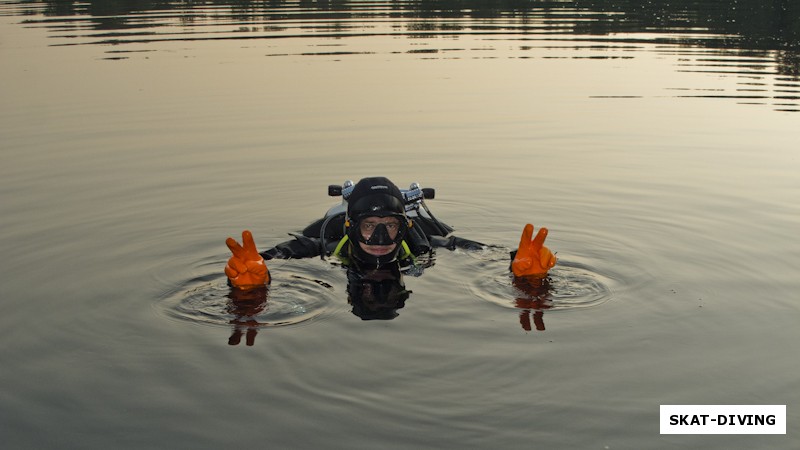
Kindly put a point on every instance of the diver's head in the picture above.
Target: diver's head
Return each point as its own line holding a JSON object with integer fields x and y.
{"x": 376, "y": 221}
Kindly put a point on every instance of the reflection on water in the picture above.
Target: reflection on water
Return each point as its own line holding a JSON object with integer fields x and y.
{"x": 245, "y": 306}
{"x": 533, "y": 299}
{"x": 296, "y": 298}
{"x": 376, "y": 294}
{"x": 618, "y": 125}
{"x": 755, "y": 43}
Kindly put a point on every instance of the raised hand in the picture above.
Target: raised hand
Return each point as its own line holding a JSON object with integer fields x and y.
{"x": 533, "y": 259}
{"x": 246, "y": 269}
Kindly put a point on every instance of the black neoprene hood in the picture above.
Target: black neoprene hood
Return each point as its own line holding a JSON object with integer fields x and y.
{"x": 375, "y": 196}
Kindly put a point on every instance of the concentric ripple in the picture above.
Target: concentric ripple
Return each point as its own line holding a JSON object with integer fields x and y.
{"x": 569, "y": 286}
{"x": 291, "y": 299}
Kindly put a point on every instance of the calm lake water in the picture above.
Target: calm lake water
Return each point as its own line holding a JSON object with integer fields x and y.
{"x": 657, "y": 141}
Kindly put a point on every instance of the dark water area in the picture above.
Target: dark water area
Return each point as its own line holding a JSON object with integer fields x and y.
{"x": 656, "y": 140}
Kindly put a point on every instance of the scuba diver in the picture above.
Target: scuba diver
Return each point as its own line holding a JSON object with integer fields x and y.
{"x": 379, "y": 233}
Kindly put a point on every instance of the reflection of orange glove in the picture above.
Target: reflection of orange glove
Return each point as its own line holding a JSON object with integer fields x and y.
{"x": 533, "y": 259}
{"x": 246, "y": 268}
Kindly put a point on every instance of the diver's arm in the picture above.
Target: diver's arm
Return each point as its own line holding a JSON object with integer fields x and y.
{"x": 531, "y": 260}
{"x": 297, "y": 248}
{"x": 246, "y": 269}
{"x": 428, "y": 233}
{"x": 454, "y": 242}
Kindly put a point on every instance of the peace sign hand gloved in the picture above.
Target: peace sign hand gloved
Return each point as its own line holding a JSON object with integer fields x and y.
{"x": 246, "y": 269}
{"x": 533, "y": 259}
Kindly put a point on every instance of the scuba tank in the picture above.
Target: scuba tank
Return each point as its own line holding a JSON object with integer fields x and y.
{"x": 425, "y": 223}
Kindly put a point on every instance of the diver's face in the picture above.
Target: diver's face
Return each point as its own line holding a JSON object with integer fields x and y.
{"x": 367, "y": 227}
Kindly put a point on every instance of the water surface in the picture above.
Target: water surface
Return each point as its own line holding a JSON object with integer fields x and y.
{"x": 657, "y": 142}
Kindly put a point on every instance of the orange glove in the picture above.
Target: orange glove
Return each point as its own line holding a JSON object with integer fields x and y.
{"x": 246, "y": 269}
{"x": 533, "y": 259}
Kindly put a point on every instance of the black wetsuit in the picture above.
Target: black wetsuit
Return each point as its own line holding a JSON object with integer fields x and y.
{"x": 425, "y": 235}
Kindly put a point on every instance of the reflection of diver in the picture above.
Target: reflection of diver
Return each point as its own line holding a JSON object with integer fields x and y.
{"x": 245, "y": 306}
{"x": 376, "y": 294}
{"x": 534, "y": 297}
{"x": 377, "y": 228}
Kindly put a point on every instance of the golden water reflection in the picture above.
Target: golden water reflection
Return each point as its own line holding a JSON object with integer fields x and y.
{"x": 755, "y": 45}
